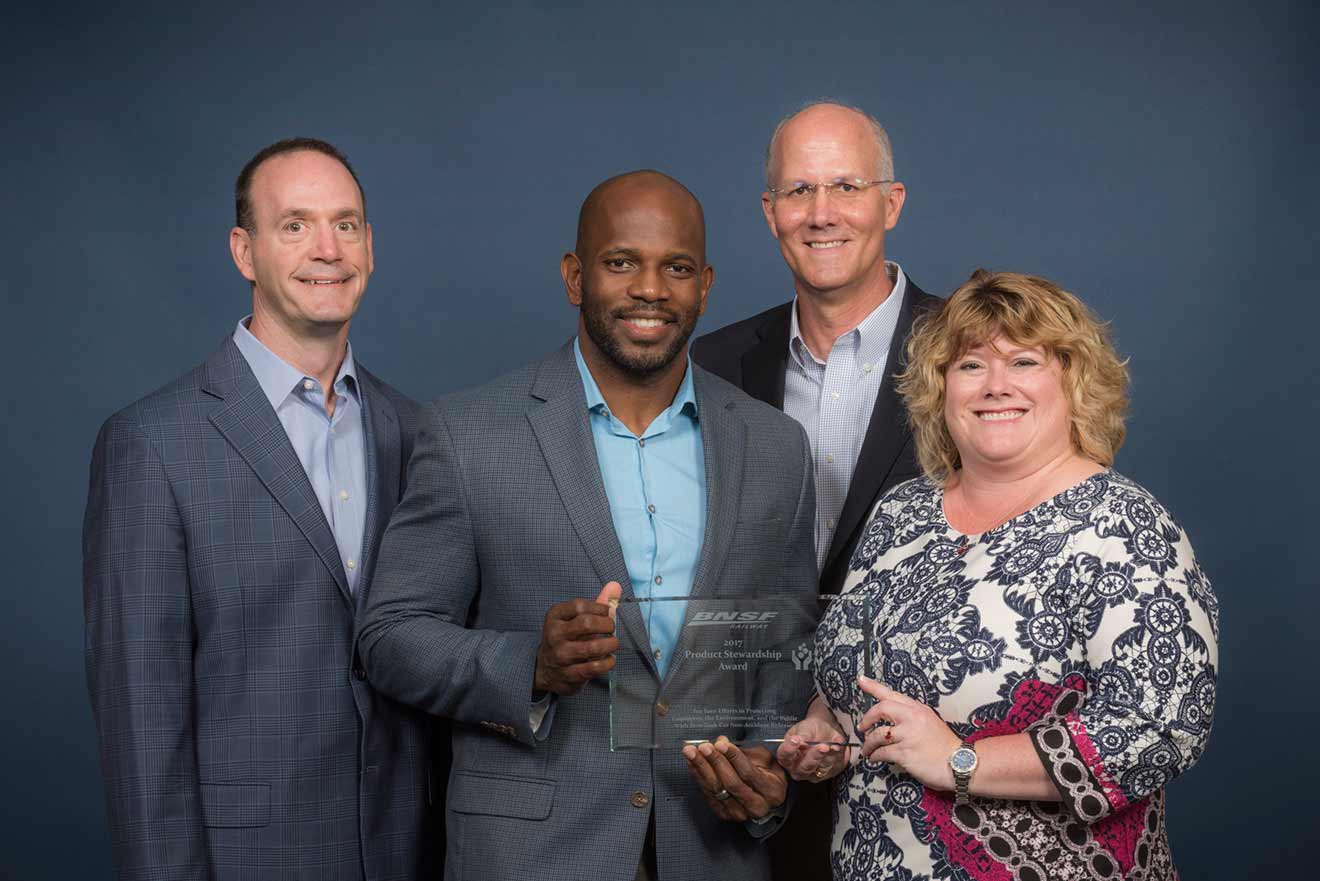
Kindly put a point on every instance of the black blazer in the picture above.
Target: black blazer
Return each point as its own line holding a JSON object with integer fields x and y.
{"x": 753, "y": 355}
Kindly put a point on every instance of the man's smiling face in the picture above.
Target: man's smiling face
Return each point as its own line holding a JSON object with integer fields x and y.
{"x": 309, "y": 255}
{"x": 833, "y": 247}
{"x": 643, "y": 279}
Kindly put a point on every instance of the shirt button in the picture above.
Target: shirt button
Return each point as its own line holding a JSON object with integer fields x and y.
{"x": 659, "y": 579}
{"x": 641, "y": 442}
{"x": 657, "y": 654}
{"x": 829, "y": 524}
{"x": 834, "y": 395}
{"x": 352, "y": 564}
{"x": 661, "y": 708}
{"x": 343, "y": 495}
{"x": 651, "y": 508}
{"x": 866, "y": 368}
{"x": 829, "y": 457}
{"x": 640, "y": 799}
{"x": 308, "y": 384}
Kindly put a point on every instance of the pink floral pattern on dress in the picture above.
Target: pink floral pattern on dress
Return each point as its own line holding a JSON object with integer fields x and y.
{"x": 1085, "y": 623}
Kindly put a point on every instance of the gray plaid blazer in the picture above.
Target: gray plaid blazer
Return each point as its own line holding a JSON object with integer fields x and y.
{"x": 239, "y": 738}
{"x": 506, "y": 514}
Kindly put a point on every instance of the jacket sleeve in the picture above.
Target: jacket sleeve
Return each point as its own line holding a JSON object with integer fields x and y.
{"x": 413, "y": 639}
{"x": 1151, "y": 624}
{"x": 138, "y": 651}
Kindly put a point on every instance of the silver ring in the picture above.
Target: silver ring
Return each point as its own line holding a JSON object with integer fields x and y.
{"x": 723, "y": 795}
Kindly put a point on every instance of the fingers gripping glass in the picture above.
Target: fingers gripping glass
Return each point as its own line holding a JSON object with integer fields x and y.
{"x": 843, "y": 189}
{"x": 742, "y": 667}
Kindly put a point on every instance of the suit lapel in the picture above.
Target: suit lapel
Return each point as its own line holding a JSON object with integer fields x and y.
{"x": 723, "y": 443}
{"x": 563, "y": 432}
{"x": 383, "y": 469}
{"x": 886, "y": 435}
{"x": 763, "y": 364}
{"x": 248, "y": 422}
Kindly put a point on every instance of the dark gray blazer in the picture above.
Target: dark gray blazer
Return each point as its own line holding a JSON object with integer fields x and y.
{"x": 238, "y": 736}
{"x": 753, "y": 355}
{"x": 505, "y": 515}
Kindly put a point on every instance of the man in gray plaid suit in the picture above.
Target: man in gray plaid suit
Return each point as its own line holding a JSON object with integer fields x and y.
{"x": 232, "y": 523}
{"x": 611, "y": 467}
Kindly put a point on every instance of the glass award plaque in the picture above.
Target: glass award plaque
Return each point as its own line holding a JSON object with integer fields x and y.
{"x": 742, "y": 667}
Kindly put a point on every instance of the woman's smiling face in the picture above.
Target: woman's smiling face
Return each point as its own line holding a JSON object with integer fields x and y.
{"x": 1005, "y": 408}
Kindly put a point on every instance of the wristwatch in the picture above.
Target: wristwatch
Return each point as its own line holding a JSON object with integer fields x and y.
{"x": 963, "y": 763}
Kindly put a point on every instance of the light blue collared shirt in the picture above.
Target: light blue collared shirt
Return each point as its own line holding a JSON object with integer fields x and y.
{"x": 833, "y": 400}
{"x": 656, "y": 485}
{"x": 332, "y": 450}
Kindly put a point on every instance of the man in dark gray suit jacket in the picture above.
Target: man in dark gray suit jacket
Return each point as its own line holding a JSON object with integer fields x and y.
{"x": 232, "y": 523}
{"x": 613, "y": 462}
{"x": 829, "y": 357}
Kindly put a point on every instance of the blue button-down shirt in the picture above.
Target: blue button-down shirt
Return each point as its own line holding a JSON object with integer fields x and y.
{"x": 331, "y": 448}
{"x": 833, "y": 400}
{"x": 656, "y": 485}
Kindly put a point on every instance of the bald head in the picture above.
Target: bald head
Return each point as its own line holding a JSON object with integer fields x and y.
{"x": 639, "y": 277}
{"x": 644, "y": 190}
{"x": 828, "y": 119}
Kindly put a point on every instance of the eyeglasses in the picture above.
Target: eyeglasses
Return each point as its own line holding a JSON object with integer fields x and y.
{"x": 845, "y": 189}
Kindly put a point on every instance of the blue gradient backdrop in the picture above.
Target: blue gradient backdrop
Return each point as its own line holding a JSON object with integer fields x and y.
{"x": 1158, "y": 161}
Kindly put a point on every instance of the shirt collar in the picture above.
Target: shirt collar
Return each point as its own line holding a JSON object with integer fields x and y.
{"x": 873, "y": 335}
{"x": 278, "y": 377}
{"x": 685, "y": 400}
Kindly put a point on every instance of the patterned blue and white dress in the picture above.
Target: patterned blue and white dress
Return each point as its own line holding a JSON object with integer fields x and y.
{"x": 1085, "y": 621}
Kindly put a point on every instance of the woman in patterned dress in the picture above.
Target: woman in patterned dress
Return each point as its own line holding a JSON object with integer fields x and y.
{"x": 1028, "y": 604}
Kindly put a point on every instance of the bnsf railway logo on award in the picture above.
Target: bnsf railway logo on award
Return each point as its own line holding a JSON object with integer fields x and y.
{"x": 734, "y": 619}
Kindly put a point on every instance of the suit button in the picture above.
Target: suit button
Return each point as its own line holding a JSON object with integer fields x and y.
{"x": 640, "y": 799}
{"x": 359, "y": 673}
{"x": 661, "y": 708}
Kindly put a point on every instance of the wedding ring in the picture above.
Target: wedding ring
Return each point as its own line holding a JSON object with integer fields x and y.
{"x": 723, "y": 795}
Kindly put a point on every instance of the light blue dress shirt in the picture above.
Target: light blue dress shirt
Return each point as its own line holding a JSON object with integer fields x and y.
{"x": 656, "y": 485}
{"x": 833, "y": 400}
{"x": 331, "y": 448}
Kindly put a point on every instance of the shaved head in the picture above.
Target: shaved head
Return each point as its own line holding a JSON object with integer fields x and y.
{"x": 638, "y": 275}
{"x": 623, "y": 189}
{"x": 827, "y": 113}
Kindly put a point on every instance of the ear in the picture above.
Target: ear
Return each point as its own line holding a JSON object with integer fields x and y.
{"x": 371, "y": 257}
{"x": 707, "y": 281}
{"x": 894, "y": 204}
{"x": 570, "y": 270}
{"x": 768, "y": 209}
{"x": 240, "y": 248}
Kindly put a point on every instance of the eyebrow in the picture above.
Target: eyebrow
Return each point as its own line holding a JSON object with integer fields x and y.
{"x": 634, "y": 254}
{"x": 303, "y": 212}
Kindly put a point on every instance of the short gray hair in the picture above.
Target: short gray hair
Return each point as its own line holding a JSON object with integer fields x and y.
{"x": 885, "y": 171}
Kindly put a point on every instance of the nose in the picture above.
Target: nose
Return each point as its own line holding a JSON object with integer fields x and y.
{"x": 325, "y": 244}
{"x": 649, "y": 285}
{"x": 821, "y": 210}
{"x": 996, "y": 379}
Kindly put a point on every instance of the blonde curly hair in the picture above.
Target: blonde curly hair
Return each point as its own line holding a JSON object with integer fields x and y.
{"x": 1028, "y": 311}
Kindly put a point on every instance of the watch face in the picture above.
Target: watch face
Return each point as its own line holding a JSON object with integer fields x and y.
{"x": 963, "y": 760}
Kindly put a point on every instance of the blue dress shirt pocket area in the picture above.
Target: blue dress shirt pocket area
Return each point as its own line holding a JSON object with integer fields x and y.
{"x": 501, "y": 796}
{"x": 235, "y": 805}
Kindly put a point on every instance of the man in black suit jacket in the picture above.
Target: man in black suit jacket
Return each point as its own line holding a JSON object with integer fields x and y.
{"x": 829, "y": 357}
